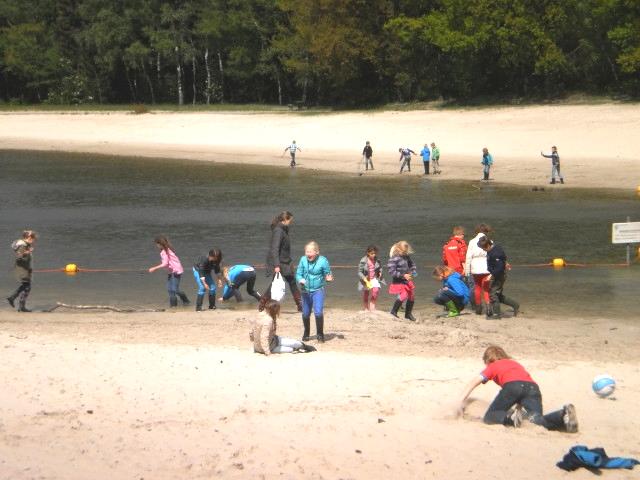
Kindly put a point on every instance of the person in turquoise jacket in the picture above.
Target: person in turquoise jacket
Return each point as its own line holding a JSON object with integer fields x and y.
{"x": 454, "y": 293}
{"x": 235, "y": 277}
{"x": 312, "y": 274}
{"x": 487, "y": 161}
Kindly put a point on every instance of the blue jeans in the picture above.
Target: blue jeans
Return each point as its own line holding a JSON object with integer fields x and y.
{"x": 445, "y": 296}
{"x": 210, "y": 282}
{"x": 173, "y": 287}
{"x": 526, "y": 394}
{"x": 313, "y": 300}
{"x": 486, "y": 169}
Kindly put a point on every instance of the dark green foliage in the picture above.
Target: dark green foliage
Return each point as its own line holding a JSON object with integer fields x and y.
{"x": 324, "y": 52}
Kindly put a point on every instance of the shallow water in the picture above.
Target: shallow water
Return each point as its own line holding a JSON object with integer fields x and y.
{"x": 103, "y": 212}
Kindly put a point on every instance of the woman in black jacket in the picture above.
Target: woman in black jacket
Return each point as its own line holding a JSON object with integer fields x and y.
{"x": 279, "y": 258}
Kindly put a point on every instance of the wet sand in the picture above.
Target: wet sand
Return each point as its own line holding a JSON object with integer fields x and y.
{"x": 595, "y": 142}
{"x": 181, "y": 395}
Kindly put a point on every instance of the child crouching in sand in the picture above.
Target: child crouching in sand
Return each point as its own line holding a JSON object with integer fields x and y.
{"x": 519, "y": 390}
{"x": 454, "y": 293}
{"x": 402, "y": 270}
{"x": 263, "y": 333}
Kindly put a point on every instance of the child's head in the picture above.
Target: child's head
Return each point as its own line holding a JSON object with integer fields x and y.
{"x": 483, "y": 228}
{"x": 29, "y": 236}
{"x": 458, "y": 231}
{"x": 485, "y": 150}
{"x": 215, "y": 256}
{"x": 494, "y": 353}
{"x": 441, "y": 272}
{"x": 284, "y": 217}
{"x": 311, "y": 250}
{"x": 273, "y": 309}
{"x": 372, "y": 251}
{"x": 400, "y": 149}
{"x": 433, "y": 144}
{"x": 163, "y": 242}
{"x": 426, "y": 145}
{"x": 485, "y": 244}
{"x": 400, "y": 248}
{"x": 554, "y": 149}
{"x": 367, "y": 142}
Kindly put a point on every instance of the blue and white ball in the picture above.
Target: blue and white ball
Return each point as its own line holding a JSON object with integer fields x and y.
{"x": 603, "y": 385}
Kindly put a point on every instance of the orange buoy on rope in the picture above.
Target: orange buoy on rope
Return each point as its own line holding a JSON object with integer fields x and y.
{"x": 558, "y": 262}
{"x": 71, "y": 269}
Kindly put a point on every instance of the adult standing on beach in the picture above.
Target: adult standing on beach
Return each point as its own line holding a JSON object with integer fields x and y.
{"x": 405, "y": 158}
{"x": 555, "y": 165}
{"x": 279, "y": 259}
{"x": 426, "y": 158}
{"x": 293, "y": 148}
{"x": 487, "y": 161}
{"x": 367, "y": 153}
{"x": 23, "y": 248}
{"x": 435, "y": 157}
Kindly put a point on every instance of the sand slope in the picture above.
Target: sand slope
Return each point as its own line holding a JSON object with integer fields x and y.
{"x": 171, "y": 396}
{"x": 596, "y": 143}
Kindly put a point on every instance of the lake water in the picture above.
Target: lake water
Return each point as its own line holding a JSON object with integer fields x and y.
{"x": 103, "y": 212}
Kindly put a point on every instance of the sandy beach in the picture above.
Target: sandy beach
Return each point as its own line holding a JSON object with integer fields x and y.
{"x": 596, "y": 143}
{"x": 180, "y": 395}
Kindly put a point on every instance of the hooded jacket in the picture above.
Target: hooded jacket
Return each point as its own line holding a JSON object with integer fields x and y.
{"x": 476, "y": 260}
{"x": 456, "y": 285}
{"x": 313, "y": 273}
{"x": 454, "y": 254}
{"x": 400, "y": 265}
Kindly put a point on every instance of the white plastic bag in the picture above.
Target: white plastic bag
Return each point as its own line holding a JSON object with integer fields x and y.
{"x": 278, "y": 288}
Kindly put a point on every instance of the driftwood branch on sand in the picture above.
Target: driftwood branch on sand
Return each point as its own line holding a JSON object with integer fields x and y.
{"x": 104, "y": 307}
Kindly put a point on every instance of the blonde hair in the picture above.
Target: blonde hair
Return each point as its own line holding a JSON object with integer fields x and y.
{"x": 400, "y": 248}
{"x": 494, "y": 353}
{"x": 458, "y": 230}
{"x": 313, "y": 244}
{"x": 442, "y": 270}
{"x": 29, "y": 234}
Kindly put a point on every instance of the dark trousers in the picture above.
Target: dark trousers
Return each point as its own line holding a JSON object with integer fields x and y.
{"x": 22, "y": 292}
{"x": 426, "y": 167}
{"x": 250, "y": 279}
{"x": 173, "y": 287}
{"x": 445, "y": 296}
{"x": 527, "y": 395}
{"x": 496, "y": 294}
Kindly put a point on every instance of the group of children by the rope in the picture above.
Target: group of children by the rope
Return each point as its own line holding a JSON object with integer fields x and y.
{"x": 484, "y": 261}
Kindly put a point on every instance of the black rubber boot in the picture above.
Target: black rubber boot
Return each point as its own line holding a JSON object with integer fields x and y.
{"x": 493, "y": 312}
{"x": 408, "y": 309}
{"x": 22, "y": 307}
{"x": 184, "y": 298}
{"x": 306, "y": 322}
{"x": 173, "y": 302}
{"x": 395, "y": 308}
{"x": 256, "y": 295}
{"x": 513, "y": 304}
{"x": 199, "y": 300}
{"x": 11, "y": 301}
{"x": 320, "y": 328}
{"x": 307, "y": 348}
{"x": 562, "y": 181}
{"x": 212, "y": 302}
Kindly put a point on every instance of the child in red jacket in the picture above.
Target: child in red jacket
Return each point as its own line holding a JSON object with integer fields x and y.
{"x": 454, "y": 252}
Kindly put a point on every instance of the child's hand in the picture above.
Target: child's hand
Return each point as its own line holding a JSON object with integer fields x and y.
{"x": 151, "y": 270}
{"x": 408, "y": 276}
{"x": 302, "y": 281}
{"x": 329, "y": 278}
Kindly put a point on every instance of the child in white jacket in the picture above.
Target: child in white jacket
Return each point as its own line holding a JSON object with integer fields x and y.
{"x": 476, "y": 267}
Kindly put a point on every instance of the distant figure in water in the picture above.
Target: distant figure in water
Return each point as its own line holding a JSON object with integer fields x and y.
{"x": 517, "y": 390}
{"x": 170, "y": 261}
{"x": 293, "y": 148}
{"x": 367, "y": 154}
{"x": 487, "y": 161}
{"x": 555, "y": 165}
{"x": 435, "y": 157}
{"x": 23, "y": 248}
{"x": 263, "y": 333}
{"x": 405, "y": 158}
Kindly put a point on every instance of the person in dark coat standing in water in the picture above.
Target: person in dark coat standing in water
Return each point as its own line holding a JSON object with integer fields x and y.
{"x": 497, "y": 266}
{"x": 279, "y": 259}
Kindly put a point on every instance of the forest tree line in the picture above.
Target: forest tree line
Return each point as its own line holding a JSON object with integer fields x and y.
{"x": 317, "y": 52}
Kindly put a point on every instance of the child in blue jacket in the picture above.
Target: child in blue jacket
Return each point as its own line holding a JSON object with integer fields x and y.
{"x": 312, "y": 274}
{"x": 454, "y": 293}
{"x": 235, "y": 277}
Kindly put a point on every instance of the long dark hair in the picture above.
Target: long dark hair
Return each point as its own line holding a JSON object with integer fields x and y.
{"x": 217, "y": 254}
{"x": 164, "y": 242}
{"x": 273, "y": 310}
{"x": 281, "y": 217}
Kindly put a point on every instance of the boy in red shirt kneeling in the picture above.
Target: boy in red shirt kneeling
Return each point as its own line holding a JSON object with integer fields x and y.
{"x": 519, "y": 390}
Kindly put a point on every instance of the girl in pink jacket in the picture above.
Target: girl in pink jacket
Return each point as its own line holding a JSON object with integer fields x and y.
{"x": 171, "y": 262}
